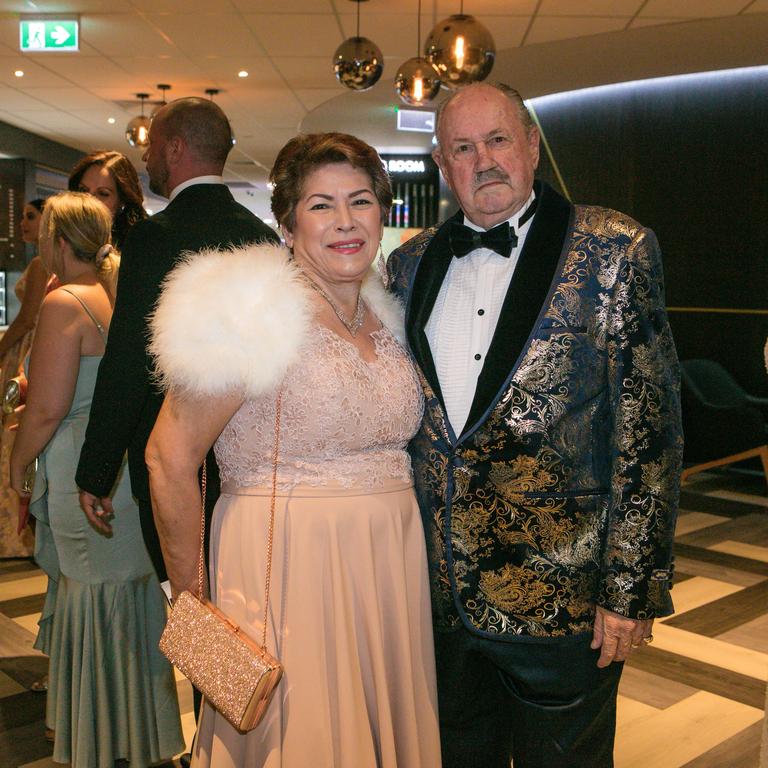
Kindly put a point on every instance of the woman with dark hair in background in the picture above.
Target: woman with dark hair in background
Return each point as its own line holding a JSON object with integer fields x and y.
{"x": 15, "y": 537}
{"x": 111, "y": 693}
{"x": 111, "y": 178}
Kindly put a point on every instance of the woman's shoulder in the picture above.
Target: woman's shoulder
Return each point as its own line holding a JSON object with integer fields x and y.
{"x": 231, "y": 318}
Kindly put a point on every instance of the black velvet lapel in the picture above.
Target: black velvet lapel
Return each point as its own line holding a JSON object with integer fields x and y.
{"x": 429, "y": 277}
{"x": 526, "y": 295}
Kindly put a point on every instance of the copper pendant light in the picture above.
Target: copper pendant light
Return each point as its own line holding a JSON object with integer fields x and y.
{"x": 137, "y": 130}
{"x": 417, "y": 81}
{"x": 461, "y": 49}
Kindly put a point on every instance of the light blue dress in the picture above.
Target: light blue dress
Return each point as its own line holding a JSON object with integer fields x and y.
{"x": 111, "y": 693}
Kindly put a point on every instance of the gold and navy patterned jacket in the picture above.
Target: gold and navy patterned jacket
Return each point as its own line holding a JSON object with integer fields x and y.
{"x": 561, "y": 492}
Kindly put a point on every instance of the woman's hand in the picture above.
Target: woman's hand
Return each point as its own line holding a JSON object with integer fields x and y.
{"x": 19, "y": 481}
{"x": 23, "y": 516}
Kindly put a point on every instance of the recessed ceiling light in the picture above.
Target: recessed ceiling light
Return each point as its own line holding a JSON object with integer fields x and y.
{"x": 242, "y": 73}
{"x": 19, "y": 73}
{"x": 111, "y": 120}
{"x": 268, "y": 221}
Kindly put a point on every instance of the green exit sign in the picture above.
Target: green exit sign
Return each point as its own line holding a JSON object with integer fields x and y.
{"x": 49, "y": 35}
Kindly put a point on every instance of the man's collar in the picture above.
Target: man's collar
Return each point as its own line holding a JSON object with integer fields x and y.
{"x": 191, "y": 182}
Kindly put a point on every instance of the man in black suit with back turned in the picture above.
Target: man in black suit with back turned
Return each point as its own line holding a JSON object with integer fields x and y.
{"x": 189, "y": 140}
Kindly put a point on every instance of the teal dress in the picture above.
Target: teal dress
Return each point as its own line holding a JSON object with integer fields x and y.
{"x": 111, "y": 693}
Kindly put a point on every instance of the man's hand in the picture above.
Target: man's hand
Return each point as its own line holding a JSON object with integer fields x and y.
{"x": 98, "y": 511}
{"x": 617, "y": 636}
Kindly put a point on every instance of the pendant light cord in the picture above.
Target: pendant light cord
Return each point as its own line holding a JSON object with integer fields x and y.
{"x": 418, "y": 30}
{"x": 358, "y": 17}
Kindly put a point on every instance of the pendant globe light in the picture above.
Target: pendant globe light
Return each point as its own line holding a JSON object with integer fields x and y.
{"x": 417, "y": 81}
{"x": 461, "y": 49}
{"x": 137, "y": 130}
{"x": 358, "y": 62}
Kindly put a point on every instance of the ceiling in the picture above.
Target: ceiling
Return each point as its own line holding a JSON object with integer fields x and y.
{"x": 543, "y": 46}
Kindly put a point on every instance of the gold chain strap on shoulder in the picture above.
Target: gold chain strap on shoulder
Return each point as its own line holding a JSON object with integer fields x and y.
{"x": 200, "y": 559}
{"x": 270, "y": 535}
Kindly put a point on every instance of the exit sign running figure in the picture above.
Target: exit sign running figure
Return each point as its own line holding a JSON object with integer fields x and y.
{"x": 49, "y": 35}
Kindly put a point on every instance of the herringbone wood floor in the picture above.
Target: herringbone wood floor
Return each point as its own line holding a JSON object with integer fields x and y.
{"x": 693, "y": 699}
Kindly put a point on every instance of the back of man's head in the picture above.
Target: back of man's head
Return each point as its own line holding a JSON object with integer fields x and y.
{"x": 204, "y": 128}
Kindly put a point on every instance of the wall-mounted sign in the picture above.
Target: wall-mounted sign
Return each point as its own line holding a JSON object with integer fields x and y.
{"x": 397, "y": 165}
{"x": 49, "y": 34}
{"x": 415, "y": 120}
{"x": 416, "y": 190}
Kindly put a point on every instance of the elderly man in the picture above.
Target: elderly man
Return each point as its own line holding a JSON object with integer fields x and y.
{"x": 548, "y": 463}
{"x": 189, "y": 140}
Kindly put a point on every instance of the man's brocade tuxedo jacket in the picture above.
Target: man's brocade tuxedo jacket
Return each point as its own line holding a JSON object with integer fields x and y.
{"x": 561, "y": 492}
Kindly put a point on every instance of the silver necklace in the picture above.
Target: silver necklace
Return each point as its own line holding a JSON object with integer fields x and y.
{"x": 353, "y": 325}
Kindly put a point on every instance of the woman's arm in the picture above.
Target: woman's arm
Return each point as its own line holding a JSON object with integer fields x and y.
{"x": 184, "y": 431}
{"x": 34, "y": 292}
{"x": 53, "y": 370}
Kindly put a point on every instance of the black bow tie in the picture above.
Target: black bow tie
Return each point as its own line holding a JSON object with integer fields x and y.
{"x": 501, "y": 239}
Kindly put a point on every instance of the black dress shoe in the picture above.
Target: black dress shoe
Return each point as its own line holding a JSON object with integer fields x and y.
{"x": 185, "y": 760}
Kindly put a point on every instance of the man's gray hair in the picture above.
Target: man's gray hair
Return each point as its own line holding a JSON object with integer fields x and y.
{"x": 513, "y": 95}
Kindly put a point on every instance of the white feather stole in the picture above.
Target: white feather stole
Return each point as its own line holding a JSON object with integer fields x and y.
{"x": 236, "y": 320}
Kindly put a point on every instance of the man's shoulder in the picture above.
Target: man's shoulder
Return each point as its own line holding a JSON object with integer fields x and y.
{"x": 606, "y": 223}
{"x": 413, "y": 249}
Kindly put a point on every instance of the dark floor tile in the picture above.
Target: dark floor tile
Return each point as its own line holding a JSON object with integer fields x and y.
{"x": 16, "y": 566}
{"x": 21, "y": 709}
{"x": 750, "y": 529}
{"x": 729, "y": 612}
{"x": 705, "y": 677}
{"x": 697, "y": 502}
{"x": 740, "y": 751}
{"x": 720, "y": 558}
{"x": 22, "y": 606}
{"x": 24, "y": 744}
{"x": 25, "y": 670}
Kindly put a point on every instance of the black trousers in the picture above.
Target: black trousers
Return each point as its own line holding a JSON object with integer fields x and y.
{"x": 541, "y": 701}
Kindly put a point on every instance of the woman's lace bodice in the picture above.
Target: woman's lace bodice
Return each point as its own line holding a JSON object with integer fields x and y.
{"x": 344, "y": 421}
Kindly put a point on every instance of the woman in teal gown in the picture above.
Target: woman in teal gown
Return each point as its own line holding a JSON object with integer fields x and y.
{"x": 112, "y": 695}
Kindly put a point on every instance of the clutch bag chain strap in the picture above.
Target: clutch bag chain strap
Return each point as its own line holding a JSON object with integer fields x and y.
{"x": 271, "y": 532}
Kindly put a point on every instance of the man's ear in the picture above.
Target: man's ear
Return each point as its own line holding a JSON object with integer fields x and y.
{"x": 174, "y": 150}
{"x": 437, "y": 156}
{"x": 534, "y": 142}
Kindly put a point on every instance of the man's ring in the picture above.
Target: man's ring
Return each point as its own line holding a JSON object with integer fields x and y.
{"x": 636, "y": 645}
{"x": 648, "y": 640}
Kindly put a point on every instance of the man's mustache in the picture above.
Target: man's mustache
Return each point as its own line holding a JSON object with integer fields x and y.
{"x": 492, "y": 174}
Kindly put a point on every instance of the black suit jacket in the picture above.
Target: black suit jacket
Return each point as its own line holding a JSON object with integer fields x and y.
{"x": 126, "y": 402}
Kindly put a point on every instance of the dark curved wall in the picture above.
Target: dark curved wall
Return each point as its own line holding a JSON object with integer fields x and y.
{"x": 687, "y": 157}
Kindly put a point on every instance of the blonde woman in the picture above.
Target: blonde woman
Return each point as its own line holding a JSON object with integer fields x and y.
{"x": 111, "y": 694}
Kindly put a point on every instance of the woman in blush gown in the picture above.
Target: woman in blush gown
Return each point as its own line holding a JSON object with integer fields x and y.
{"x": 314, "y": 330}
{"x": 111, "y": 693}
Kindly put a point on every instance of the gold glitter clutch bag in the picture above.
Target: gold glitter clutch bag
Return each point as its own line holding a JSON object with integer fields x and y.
{"x": 236, "y": 674}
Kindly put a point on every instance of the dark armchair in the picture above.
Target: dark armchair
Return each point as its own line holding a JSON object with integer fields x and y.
{"x": 722, "y": 423}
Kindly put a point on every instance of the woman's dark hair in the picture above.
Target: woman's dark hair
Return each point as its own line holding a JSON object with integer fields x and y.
{"x": 307, "y": 152}
{"x": 38, "y": 202}
{"x": 129, "y": 191}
